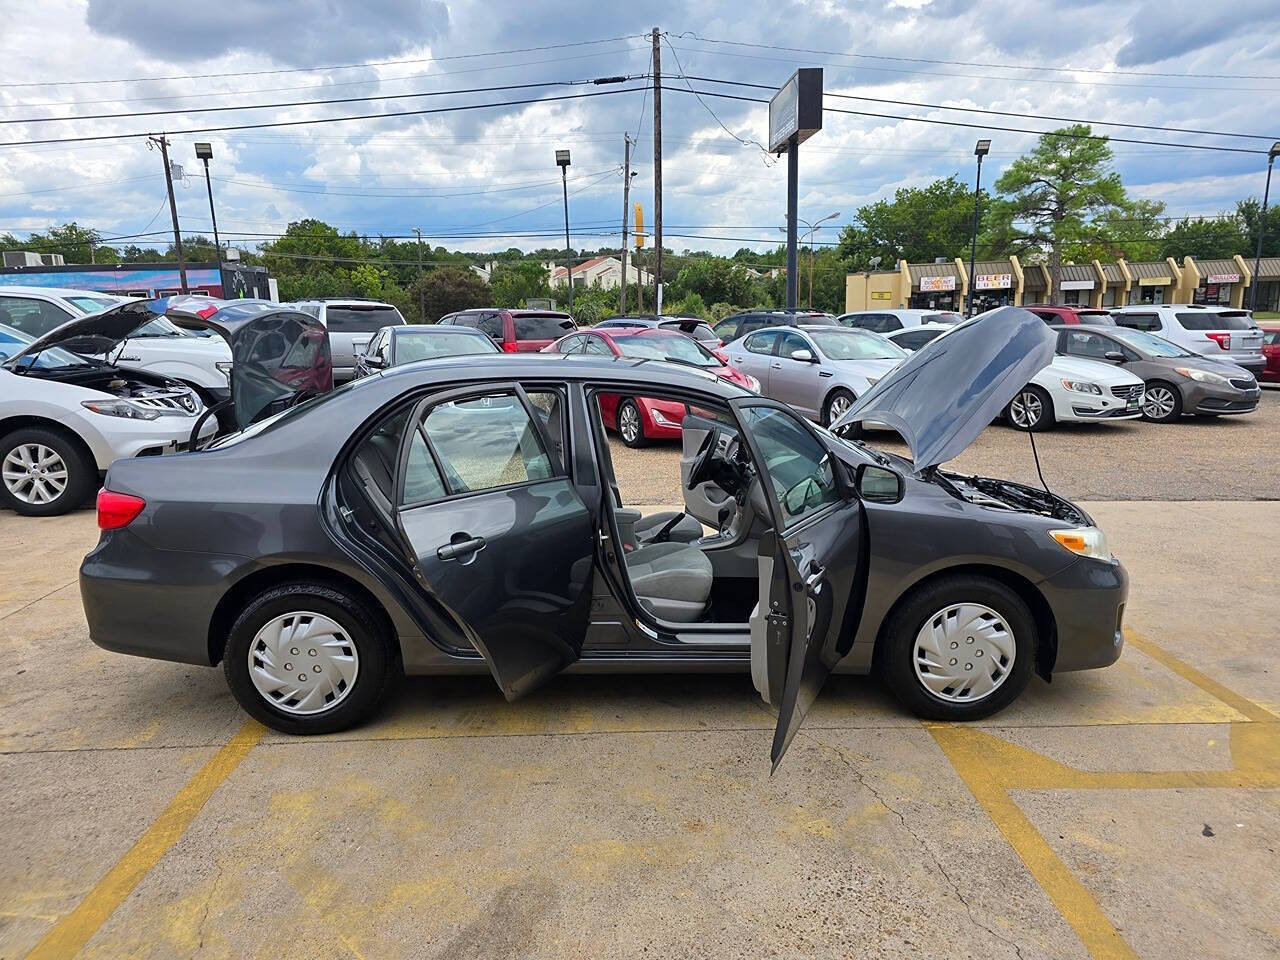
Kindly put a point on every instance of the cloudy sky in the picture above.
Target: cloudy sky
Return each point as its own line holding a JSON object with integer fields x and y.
{"x": 491, "y": 171}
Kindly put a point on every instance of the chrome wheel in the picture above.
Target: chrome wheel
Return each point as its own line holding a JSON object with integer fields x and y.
{"x": 838, "y": 407}
{"x": 35, "y": 473}
{"x": 1026, "y": 410}
{"x": 629, "y": 422}
{"x": 1159, "y": 403}
{"x": 964, "y": 653}
{"x": 303, "y": 663}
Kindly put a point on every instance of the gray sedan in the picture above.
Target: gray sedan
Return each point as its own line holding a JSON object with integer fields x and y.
{"x": 1177, "y": 380}
{"x": 819, "y": 371}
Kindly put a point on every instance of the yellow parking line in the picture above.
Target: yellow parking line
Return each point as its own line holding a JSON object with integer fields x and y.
{"x": 1210, "y": 686}
{"x": 75, "y": 929}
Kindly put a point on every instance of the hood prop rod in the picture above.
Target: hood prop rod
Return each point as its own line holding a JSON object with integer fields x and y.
{"x": 1040, "y": 473}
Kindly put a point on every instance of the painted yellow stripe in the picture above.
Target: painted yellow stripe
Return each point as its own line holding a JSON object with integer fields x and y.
{"x": 1076, "y": 904}
{"x": 75, "y": 929}
{"x": 1210, "y": 686}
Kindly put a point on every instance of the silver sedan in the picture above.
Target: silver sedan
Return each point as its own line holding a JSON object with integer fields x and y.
{"x": 819, "y": 371}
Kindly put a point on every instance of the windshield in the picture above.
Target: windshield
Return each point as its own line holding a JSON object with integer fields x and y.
{"x": 427, "y": 344}
{"x": 650, "y": 346}
{"x": 159, "y": 327}
{"x": 13, "y": 342}
{"x": 853, "y": 345}
{"x": 1148, "y": 343}
{"x": 89, "y": 304}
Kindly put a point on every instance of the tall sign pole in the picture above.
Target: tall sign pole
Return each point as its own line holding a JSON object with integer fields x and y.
{"x": 657, "y": 172}
{"x": 795, "y": 114}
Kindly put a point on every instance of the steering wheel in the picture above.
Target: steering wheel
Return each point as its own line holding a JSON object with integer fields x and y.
{"x": 700, "y": 471}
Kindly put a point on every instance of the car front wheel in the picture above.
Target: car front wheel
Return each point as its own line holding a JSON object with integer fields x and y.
{"x": 1162, "y": 403}
{"x": 307, "y": 658}
{"x": 960, "y": 648}
{"x": 43, "y": 474}
{"x": 630, "y": 424}
{"x": 1031, "y": 409}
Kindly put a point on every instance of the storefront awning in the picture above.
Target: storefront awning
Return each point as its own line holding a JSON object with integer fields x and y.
{"x": 1268, "y": 268}
{"x": 1077, "y": 276}
{"x": 1219, "y": 271}
{"x": 993, "y": 275}
{"x": 920, "y": 271}
{"x": 1151, "y": 271}
{"x": 1113, "y": 274}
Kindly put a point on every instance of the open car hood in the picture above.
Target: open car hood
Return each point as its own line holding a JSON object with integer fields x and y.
{"x": 95, "y": 334}
{"x": 279, "y": 355}
{"x": 943, "y": 395}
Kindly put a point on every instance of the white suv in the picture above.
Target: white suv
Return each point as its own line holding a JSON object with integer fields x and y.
{"x": 351, "y": 325}
{"x": 886, "y": 321}
{"x": 1219, "y": 333}
{"x": 160, "y": 348}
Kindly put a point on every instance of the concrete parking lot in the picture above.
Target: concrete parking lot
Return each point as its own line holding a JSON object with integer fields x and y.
{"x": 1128, "y": 812}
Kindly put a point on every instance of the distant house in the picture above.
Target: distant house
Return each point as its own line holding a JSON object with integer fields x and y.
{"x": 604, "y": 272}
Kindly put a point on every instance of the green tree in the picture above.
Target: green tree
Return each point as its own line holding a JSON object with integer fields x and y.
{"x": 917, "y": 225}
{"x": 711, "y": 278}
{"x": 1064, "y": 192}
{"x": 1204, "y": 239}
{"x": 514, "y": 283}
{"x": 448, "y": 289}
{"x": 1249, "y": 213}
{"x": 71, "y": 240}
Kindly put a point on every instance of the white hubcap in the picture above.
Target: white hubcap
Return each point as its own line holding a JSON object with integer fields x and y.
{"x": 1026, "y": 410}
{"x": 303, "y": 663}
{"x": 629, "y": 423}
{"x": 964, "y": 652}
{"x": 34, "y": 473}
{"x": 1158, "y": 403}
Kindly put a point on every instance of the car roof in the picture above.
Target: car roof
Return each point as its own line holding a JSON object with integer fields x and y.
{"x": 1106, "y": 329}
{"x": 399, "y": 328}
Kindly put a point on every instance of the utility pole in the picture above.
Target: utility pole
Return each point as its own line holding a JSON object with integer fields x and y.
{"x": 657, "y": 172}
{"x": 1262, "y": 227}
{"x": 626, "y": 211}
{"x": 163, "y": 143}
{"x": 422, "y": 287}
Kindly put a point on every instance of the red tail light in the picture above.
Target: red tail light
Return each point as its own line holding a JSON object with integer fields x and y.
{"x": 509, "y": 346}
{"x": 116, "y": 510}
{"x": 1221, "y": 339}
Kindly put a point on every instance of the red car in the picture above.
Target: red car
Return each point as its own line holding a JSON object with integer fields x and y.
{"x": 639, "y": 419}
{"x": 1051, "y": 313}
{"x": 1270, "y": 350}
{"x": 515, "y": 331}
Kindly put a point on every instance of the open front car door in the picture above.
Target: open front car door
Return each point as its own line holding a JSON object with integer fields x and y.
{"x": 812, "y": 566}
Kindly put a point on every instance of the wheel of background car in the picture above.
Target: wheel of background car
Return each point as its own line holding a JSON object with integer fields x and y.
{"x": 839, "y": 401}
{"x": 1031, "y": 409}
{"x": 1162, "y": 403}
{"x": 958, "y": 648}
{"x": 43, "y": 474}
{"x": 308, "y": 658}
{"x": 630, "y": 424}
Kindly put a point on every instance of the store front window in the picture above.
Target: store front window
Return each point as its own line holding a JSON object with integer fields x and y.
{"x": 933, "y": 300}
{"x": 1213, "y": 294}
{"x": 1146, "y": 295}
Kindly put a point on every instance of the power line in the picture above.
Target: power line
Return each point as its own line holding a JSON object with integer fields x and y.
{"x": 344, "y": 66}
{"x": 322, "y": 192}
{"x": 315, "y": 103}
{"x": 315, "y": 120}
{"x": 1005, "y": 113}
{"x": 769, "y": 161}
{"x": 985, "y": 126}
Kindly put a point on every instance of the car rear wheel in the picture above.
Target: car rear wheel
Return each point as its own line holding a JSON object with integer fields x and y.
{"x": 1162, "y": 403}
{"x": 630, "y": 424}
{"x": 1031, "y": 409}
{"x": 307, "y": 658}
{"x": 43, "y": 474}
{"x": 959, "y": 648}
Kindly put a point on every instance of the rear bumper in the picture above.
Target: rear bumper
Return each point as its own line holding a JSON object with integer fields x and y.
{"x": 1087, "y": 600}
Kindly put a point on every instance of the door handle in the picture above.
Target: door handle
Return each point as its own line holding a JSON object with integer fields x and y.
{"x": 460, "y": 546}
{"x": 775, "y": 366}
{"x": 815, "y": 576}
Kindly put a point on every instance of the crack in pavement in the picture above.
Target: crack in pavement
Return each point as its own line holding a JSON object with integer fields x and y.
{"x": 937, "y": 862}
{"x": 208, "y": 901}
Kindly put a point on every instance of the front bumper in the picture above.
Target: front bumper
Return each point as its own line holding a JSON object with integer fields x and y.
{"x": 124, "y": 439}
{"x": 1214, "y": 398}
{"x": 1087, "y": 600}
{"x": 1107, "y": 406}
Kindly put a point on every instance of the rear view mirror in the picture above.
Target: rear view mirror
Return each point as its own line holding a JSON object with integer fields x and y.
{"x": 879, "y": 484}
{"x": 804, "y": 356}
{"x": 1113, "y": 356}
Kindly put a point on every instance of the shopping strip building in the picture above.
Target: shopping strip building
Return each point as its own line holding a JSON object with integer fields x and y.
{"x": 944, "y": 284}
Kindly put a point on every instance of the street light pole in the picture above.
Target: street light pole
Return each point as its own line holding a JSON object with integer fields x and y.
{"x": 422, "y": 287}
{"x": 1262, "y": 227}
{"x": 562, "y": 161}
{"x": 813, "y": 228}
{"x": 204, "y": 152}
{"x": 980, "y": 150}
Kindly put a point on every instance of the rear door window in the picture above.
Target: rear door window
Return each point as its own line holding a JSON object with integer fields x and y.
{"x": 542, "y": 326}
{"x": 361, "y": 318}
{"x": 915, "y": 339}
{"x": 761, "y": 342}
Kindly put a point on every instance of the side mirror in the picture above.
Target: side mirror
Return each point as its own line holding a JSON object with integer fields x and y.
{"x": 804, "y": 356}
{"x": 376, "y": 362}
{"x": 879, "y": 484}
{"x": 1113, "y": 356}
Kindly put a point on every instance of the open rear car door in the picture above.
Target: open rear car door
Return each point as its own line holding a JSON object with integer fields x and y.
{"x": 812, "y": 566}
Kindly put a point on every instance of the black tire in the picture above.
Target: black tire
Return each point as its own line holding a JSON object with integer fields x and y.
{"x": 896, "y": 650}
{"x": 1174, "y": 413}
{"x": 838, "y": 394}
{"x": 637, "y": 439}
{"x": 1046, "y": 420}
{"x": 378, "y": 665}
{"x": 81, "y": 471}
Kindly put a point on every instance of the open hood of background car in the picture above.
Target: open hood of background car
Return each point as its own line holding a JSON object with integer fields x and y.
{"x": 943, "y": 395}
{"x": 279, "y": 355}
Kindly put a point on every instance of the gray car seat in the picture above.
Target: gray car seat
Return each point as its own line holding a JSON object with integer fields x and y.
{"x": 671, "y": 580}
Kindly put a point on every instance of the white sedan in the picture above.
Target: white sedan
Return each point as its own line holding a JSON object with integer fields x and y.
{"x": 1069, "y": 389}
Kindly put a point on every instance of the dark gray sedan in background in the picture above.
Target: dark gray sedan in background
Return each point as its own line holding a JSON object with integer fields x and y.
{"x": 1177, "y": 381}
{"x": 462, "y": 515}
{"x": 392, "y": 346}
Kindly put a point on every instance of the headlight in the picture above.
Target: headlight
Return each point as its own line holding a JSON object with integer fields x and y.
{"x": 660, "y": 418}
{"x": 1084, "y": 542}
{"x": 120, "y": 408}
{"x": 1081, "y": 386}
{"x": 224, "y": 368}
{"x": 1202, "y": 376}
{"x": 752, "y": 383}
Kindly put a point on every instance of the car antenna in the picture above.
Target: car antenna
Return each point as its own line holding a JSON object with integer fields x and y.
{"x": 1040, "y": 473}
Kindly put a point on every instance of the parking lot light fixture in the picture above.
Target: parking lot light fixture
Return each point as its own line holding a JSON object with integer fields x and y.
{"x": 204, "y": 153}
{"x": 1262, "y": 227}
{"x": 980, "y": 150}
{"x": 562, "y": 161}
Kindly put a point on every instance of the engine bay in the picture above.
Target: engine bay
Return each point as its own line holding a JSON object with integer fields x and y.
{"x": 1007, "y": 495}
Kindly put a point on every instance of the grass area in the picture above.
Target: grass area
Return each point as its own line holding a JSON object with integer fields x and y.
{"x": 1266, "y": 315}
